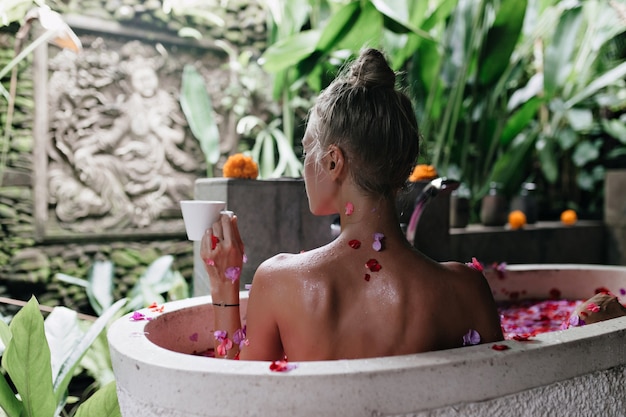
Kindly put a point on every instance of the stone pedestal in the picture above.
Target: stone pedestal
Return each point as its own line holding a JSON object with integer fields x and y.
{"x": 615, "y": 216}
{"x": 273, "y": 217}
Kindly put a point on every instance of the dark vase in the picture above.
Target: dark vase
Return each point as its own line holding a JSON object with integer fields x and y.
{"x": 459, "y": 211}
{"x": 526, "y": 202}
{"x": 494, "y": 207}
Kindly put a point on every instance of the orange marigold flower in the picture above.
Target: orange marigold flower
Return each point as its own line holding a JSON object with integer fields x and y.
{"x": 517, "y": 219}
{"x": 569, "y": 217}
{"x": 240, "y": 166}
{"x": 423, "y": 172}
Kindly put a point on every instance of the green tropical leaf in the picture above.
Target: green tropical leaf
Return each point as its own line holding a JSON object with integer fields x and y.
{"x": 610, "y": 77}
{"x": 501, "y": 40}
{"x": 615, "y": 128}
{"x": 520, "y": 120}
{"x": 158, "y": 269}
{"x": 103, "y": 403}
{"x": 66, "y": 372}
{"x": 198, "y": 109}
{"x": 9, "y": 402}
{"x": 27, "y": 361}
{"x": 338, "y": 26}
{"x": 100, "y": 288}
{"x": 286, "y": 53}
{"x": 585, "y": 152}
{"x": 62, "y": 334}
{"x": 508, "y": 168}
{"x": 367, "y": 31}
{"x": 558, "y": 54}
{"x": 395, "y": 13}
{"x": 5, "y": 334}
{"x": 414, "y": 41}
{"x": 72, "y": 280}
{"x": 581, "y": 120}
{"x": 547, "y": 158}
{"x": 567, "y": 138}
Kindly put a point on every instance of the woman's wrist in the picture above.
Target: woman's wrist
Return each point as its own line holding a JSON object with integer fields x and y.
{"x": 226, "y": 304}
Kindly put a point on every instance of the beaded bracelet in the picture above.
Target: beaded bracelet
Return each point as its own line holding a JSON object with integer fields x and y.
{"x": 225, "y": 305}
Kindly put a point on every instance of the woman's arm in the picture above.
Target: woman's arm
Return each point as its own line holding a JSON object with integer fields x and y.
{"x": 263, "y": 305}
{"x": 222, "y": 252}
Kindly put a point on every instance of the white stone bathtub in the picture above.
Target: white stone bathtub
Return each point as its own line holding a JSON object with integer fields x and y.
{"x": 579, "y": 371}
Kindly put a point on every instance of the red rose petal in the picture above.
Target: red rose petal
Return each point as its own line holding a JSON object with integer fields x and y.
{"x": 500, "y": 347}
{"x": 373, "y": 265}
{"x": 354, "y": 244}
{"x": 602, "y": 290}
{"x": 214, "y": 242}
{"x": 367, "y": 277}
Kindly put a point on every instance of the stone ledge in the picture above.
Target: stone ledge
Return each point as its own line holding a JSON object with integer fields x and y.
{"x": 543, "y": 242}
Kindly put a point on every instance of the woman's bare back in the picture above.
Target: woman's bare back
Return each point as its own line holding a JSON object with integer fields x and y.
{"x": 328, "y": 305}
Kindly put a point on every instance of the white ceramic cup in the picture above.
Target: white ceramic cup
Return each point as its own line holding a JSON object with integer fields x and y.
{"x": 199, "y": 215}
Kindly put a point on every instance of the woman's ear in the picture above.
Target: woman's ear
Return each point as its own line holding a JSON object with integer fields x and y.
{"x": 335, "y": 162}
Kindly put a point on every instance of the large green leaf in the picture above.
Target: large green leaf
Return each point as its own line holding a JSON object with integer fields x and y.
{"x": 66, "y": 372}
{"x": 5, "y": 335}
{"x": 158, "y": 269}
{"x": 558, "y": 54}
{"x": 395, "y": 13}
{"x": 548, "y": 158}
{"x": 11, "y": 405}
{"x": 198, "y": 109}
{"x": 97, "y": 360}
{"x": 62, "y": 333}
{"x": 366, "y": 31}
{"x": 288, "y": 52}
{"x": 520, "y": 120}
{"x": 27, "y": 361}
{"x": 501, "y": 40}
{"x": 103, "y": 403}
{"x": 580, "y": 119}
{"x": 100, "y": 289}
{"x": 610, "y": 77}
{"x": 288, "y": 16}
{"x": 438, "y": 16}
{"x": 338, "y": 26}
{"x": 585, "y": 152}
{"x": 508, "y": 167}
{"x": 615, "y": 128}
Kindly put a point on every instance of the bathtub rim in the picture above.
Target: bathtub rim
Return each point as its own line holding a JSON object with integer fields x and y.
{"x": 561, "y": 349}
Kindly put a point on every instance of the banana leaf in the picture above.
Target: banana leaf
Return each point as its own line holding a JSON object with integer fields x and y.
{"x": 198, "y": 109}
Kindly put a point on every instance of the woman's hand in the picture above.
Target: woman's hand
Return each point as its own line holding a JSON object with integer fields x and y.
{"x": 222, "y": 253}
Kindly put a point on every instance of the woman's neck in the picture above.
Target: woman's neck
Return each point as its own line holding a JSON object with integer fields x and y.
{"x": 362, "y": 216}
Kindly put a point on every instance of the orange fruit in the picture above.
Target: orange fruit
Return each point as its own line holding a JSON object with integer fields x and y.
{"x": 569, "y": 217}
{"x": 517, "y": 219}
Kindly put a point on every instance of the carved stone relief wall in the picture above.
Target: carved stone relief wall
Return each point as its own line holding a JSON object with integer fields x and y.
{"x": 95, "y": 162}
{"x": 118, "y": 152}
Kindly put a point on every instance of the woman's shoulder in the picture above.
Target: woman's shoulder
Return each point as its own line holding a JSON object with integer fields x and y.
{"x": 465, "y": 276}
{"x": 288, "y": 265}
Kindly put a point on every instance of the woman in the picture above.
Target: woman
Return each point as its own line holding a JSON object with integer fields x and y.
{"x": 368, "y": 293}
